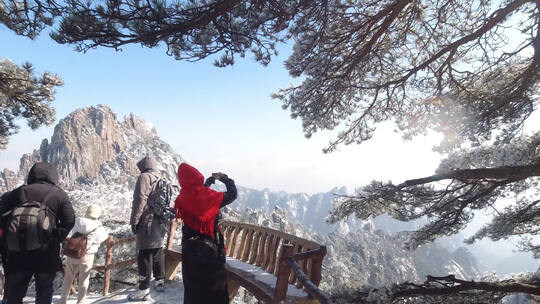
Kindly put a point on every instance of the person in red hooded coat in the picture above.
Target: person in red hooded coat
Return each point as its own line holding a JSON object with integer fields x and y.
{"x": 203, "y": 250}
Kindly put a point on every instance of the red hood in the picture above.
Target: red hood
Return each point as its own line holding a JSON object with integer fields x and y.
{"x": 196, "y": 204}
{"x": 189, "y": 177}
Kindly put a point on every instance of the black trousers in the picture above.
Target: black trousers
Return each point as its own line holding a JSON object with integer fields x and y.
{"x": 17, "y": 286}
{"x": 149, "y": 260}
{"x": 203, "y": 273}
{"x": 4, "y": 263}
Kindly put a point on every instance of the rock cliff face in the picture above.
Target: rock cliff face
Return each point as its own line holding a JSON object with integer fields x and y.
{"x": 82, "y": 142}
{"x": 86, "y": 143}
{"x": 10, "y": 180}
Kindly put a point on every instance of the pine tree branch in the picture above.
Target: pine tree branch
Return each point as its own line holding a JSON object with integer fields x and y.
{"x": 495, "y": 19}
{"x": 451, "y": 285}
{"x": 445, "y": 289}
{"x": 512, "y": 173}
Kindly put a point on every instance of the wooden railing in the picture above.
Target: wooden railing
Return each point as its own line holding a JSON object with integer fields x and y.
{"x": 293, "y": 260}
{"x": 271, "y": 250}
{"x": 109, "y": 264}
{"x": 111, "y": 242}
{"x": 260, "y": 246}
{"x": 303, "y": 280}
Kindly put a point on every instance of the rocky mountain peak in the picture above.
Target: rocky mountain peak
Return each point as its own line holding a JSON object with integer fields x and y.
{"x": 83, "y": 142}
{"x": 139, "y": 125}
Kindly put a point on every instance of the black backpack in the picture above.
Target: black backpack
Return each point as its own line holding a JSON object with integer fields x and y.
{"x": 29, "y": 227}
{"x": 159, "y": 200}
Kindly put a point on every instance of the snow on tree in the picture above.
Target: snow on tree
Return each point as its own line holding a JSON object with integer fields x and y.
{"x": 468, "y": 180}
{"x": 24, "y": 95}
{"x": 446, "y": 289}
{"x": 445, "y": 65}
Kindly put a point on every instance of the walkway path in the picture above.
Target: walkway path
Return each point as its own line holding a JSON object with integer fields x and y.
{"x": 174, "y": 293}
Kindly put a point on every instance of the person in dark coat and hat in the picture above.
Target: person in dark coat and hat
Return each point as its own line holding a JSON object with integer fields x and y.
{"x": 42, "y": 186}
{"x": 203, "y": 246}
{"x": 150, "y": 232}
{"x": 3, "y": 199}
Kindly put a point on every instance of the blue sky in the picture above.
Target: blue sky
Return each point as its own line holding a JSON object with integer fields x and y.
{"x": 218, "y": 119}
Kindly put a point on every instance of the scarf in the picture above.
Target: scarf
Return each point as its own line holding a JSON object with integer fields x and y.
{"x": 196, "y": 204}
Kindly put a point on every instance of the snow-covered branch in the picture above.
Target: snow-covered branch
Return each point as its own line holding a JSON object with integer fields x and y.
{"x": 446, "y": 289}
{"x": 24, "y": 95}
{"x": 449, "y": 198}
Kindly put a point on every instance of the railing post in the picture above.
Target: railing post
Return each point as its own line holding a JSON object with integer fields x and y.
{"x": 172, "y": 257}
{"x": 172, "y": 231}
{"x": 316, "y": 267}
{"x": 282, "y": 283}
{"x": 108, "y": 261}
{"x": 3, "y": 281}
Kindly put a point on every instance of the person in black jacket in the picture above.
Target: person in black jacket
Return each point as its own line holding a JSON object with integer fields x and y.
{"x": 21, "y": 266}
{"x": 3, "y": 199}
{"x": 203, "y": 246}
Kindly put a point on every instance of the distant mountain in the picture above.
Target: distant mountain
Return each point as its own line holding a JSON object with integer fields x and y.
{"x": 90, "y": 146}
{"x": 96, "y": 156}
{"x": 308, "y": 210}
{"x": 519, "y": 260}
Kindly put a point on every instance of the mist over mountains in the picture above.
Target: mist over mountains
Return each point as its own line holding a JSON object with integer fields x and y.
{"x": 96, "y": 155}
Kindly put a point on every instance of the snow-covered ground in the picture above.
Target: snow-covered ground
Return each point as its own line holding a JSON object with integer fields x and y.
{"x": 174, "y": 293}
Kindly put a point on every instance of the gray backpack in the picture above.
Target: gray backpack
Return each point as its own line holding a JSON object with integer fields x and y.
{"x": 29, "y": 227}
{"x": 160, "y": 199}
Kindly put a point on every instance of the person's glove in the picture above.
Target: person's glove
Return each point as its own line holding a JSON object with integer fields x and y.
{"x": 220, "y": 176}
{"x": 134, "y": 229}
{"x": 209, "y": 181}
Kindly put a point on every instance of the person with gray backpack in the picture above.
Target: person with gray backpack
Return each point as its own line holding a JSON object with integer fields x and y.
{"x": 150, "y": 216}
{"x": 36, "y": 218}
{"x": 3, "y": 252}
